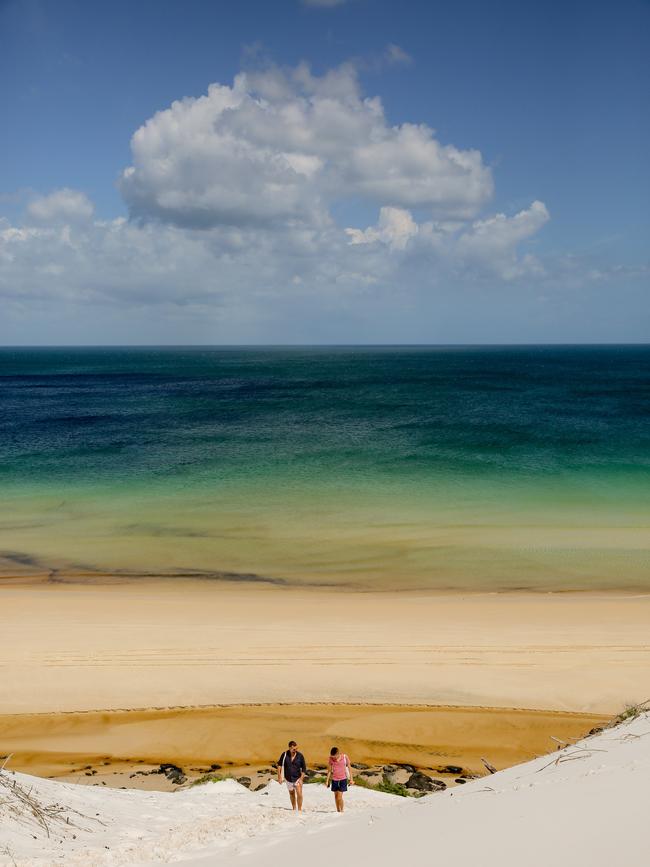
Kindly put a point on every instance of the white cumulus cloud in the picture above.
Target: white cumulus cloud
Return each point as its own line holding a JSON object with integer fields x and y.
{"x": 395, "y": 54}
{"x": 500, "y": 232}
{"x": 64, "y": 205}
{"x": 482, "y": 247}
{"x": 280, "y": 147}
{"x": 492, "y": 242}
{"x": 395, "y": 228}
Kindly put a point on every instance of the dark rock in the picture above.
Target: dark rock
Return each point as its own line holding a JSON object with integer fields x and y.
{"x": 215, "y": 767}
{"x": 177, "y": 779}
{"x": 258, "y": 787}
{"x": 439, "y": 784}
{"x": 244, "y": 781}
{"x": 451, "y": 769}
{"x": 173, "y": 773}
{"x": 390, "y": 769}
{"x": 461, "y": 780}
{"x": 596, "y": 730}
{"x": 421, "y": 782}
{"x": 408, "y": 768}
{"x": 360, "y": 766}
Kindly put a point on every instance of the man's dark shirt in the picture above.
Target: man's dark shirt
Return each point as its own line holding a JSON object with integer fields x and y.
{"x": 293, "y": 768}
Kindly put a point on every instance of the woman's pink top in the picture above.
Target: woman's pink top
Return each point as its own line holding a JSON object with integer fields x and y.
{"x": 338, "y": 767}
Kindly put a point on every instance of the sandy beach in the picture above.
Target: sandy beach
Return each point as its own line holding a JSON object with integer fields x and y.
{"x": 199, "y": 672}
{"x": 77, "y": 647}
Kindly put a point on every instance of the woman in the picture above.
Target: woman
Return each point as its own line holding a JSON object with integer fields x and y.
{"x": 339, "y": 772}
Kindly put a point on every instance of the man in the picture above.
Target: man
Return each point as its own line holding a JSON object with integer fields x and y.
{"x": 291, "y": 766}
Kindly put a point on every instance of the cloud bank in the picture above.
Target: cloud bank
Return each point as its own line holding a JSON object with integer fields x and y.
{"x": 233, "y": 199}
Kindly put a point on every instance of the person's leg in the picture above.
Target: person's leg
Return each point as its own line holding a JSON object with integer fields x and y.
{"x": 299, "y": 796}
{"x": 292, "y": 795}
{"x": 337, "y": 798}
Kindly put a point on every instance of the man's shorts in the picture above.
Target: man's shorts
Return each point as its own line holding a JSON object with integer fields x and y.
{"x": 339, "y": 785}
{"x": 293, "y": 786}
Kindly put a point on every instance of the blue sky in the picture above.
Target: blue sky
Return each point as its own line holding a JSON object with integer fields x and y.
{"x": 553, "y": 97}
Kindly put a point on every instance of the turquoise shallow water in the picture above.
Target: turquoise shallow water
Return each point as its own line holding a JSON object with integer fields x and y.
{"x": 378, "y": 467}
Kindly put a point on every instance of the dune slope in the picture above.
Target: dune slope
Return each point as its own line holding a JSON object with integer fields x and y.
{"x": 583, "y": 804}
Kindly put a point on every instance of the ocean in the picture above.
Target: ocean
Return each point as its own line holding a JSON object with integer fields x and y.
{"x": 478, "y": 468}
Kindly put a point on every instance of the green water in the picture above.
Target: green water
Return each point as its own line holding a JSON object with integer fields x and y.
{"x": 373, "y": 467}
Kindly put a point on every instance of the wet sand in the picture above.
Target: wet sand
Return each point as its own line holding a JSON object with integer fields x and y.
{"x": 110, "y": 746}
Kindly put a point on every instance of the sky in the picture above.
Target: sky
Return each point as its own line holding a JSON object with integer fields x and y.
{"x": 324, "y": 171}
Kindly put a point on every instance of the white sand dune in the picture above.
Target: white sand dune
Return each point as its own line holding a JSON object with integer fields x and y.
{"x": 583, "y": 805}
{"x": 136, "y": 827}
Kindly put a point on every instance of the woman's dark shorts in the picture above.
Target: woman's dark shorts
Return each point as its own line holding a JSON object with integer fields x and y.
{"x": 339, "y": 785}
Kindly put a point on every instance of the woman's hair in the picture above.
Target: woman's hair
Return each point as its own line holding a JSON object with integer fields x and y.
{"x": 334, "y": 751}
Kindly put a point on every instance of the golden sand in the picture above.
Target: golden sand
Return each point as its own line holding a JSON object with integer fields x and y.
{"x": 254, "y": 735}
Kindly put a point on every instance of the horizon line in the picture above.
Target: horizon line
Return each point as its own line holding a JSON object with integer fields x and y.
{"x": 317, "y": 345}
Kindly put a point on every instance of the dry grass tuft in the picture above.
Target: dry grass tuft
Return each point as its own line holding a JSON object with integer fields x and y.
{"x": 632, "y": 711}
{"x": 20, "y": 804}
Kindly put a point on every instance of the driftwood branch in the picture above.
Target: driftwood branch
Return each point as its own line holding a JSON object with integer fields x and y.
{"x": 490, "y": 767}
{"x": 564, "y": 743}
{"x": 578, "y": 753}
